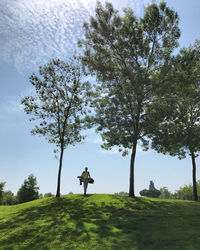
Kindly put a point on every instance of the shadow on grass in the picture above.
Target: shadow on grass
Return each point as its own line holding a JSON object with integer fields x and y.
{"x": 78, "y": 223}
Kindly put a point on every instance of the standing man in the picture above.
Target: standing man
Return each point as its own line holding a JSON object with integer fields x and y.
{"x": 85, "y": 176}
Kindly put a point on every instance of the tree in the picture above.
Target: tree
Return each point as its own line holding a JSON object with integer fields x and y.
{"x": 48, "y": 195}
{"x": 2, "y": 184}
{"x": 165, "y": 193}
{"x": 186, "y": 192}
{"x": 124, "y": 52}
{"x": 122, "y": 193}
{"x": 59, "y": 105}
{"x": 151, "y": 192}
{"x": 40, "y": 196}
{"x": 174, "y": 115}
{"x": 29, "y": 190}
{"x": 9, "y": 198}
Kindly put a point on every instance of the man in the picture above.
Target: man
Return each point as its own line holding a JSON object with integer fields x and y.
{"x": 85, "y": 176}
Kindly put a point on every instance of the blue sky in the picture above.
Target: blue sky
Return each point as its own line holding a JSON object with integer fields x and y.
{"x": 31, "y": 33}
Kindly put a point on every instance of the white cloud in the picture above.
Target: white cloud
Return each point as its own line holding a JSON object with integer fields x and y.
{"x": 33, "y": 31}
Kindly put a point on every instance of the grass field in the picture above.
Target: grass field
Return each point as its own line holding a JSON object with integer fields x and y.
{"x": 101, "y": 221}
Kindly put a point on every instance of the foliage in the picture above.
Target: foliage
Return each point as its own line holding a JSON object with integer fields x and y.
{"x": 29, "y": 190}
{"x": 186, "y": 192}
{"x": 59, "y": 105}
{"x": 9, "y": 198}
{"x": 174, "y": 113}
{"x": 40, "y": 196}
{"x": 48, "y": 195}
{"x": 124, "y": 52}
{"x": 100, "y": 221}
{"x": 176, "y": 110}
{"x": 151, "y": 192}
{"x": 122, "y": 193}
{"x": 2, "y": 184}
{"x": 165, "y": 193}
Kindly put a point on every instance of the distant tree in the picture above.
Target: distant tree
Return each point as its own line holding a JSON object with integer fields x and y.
{"x": 2, "y": 184}
{"x": 174, "y": 115}
{"x": 48, "y": 195}
{"x": 186, "y": 192}
{"x": 124, "y": 52}
{"x": 151, "y": 192}
{"x": 29, "y": 190}
{"x": 9, "y": 198}
{"x": 165, "y": 193}
{"x": 59, "y": 105}
{"x": 122, "y": 193}
{"x": 40, "y": 196}
{"x": 70, "y": 193}
{"x": 144, "y": 192}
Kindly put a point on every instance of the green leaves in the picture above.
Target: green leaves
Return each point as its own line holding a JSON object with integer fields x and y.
{"x": 175, "y": 112}
{"x": 28, "y": 190}
{"x": 125, "y": 52}
{"x": 60, "y": 103}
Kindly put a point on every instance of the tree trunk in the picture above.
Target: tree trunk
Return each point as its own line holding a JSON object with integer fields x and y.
{"x": 59, "y": 172}
{"x": 132, "y": 163}
{"x": 194, "y": 177}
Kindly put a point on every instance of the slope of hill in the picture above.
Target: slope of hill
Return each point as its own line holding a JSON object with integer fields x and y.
{"x": 101, "y": 221}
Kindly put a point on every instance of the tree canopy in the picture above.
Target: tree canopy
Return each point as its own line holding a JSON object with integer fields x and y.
{"x": 124, "y": 52}
{"x": 174, "y": 115}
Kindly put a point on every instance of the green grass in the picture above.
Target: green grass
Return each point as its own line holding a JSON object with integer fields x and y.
{"x": 101, "y": 221}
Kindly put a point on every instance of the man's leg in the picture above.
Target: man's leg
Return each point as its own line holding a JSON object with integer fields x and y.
{"x": 85, "y": 186}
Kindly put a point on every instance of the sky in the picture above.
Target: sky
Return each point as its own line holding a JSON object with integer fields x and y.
{"x": 31, "y": 33}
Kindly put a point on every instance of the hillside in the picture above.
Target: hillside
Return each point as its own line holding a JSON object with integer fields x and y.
{"x": 101, "y": 221}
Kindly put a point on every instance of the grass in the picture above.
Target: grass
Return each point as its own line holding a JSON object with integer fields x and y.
{"x": 101, "y": 221}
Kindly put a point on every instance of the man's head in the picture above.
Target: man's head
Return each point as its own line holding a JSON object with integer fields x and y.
{"x": 86, "y": 169}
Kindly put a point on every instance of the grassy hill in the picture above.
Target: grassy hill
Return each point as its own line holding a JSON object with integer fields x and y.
{"x": 101, "y": 221}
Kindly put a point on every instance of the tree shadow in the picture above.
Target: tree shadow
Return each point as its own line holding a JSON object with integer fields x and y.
{"x": 67, "y": 223}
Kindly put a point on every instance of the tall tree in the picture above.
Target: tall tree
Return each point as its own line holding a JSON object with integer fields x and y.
{"x": 60, "y": 105}
{"x": 174, "y": 115}
{"x": 123, "y": 52}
